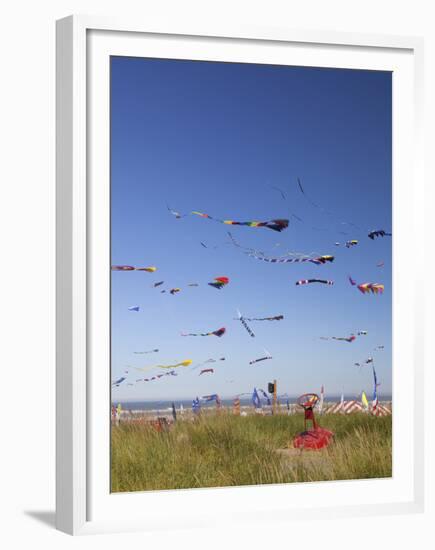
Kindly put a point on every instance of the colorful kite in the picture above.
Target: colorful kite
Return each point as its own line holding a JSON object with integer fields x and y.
{"x": 219, "y": 332}
{"x": 378, "y": 233}
{"x": 374, "y": 288}
{"x": 174, "y": 290}
{"x": 351, "y": 281}
{"x": 204, "y": 371}
{"x": 275, "y": 225}
{"x": 150, "y": 269}
{"x": 309, "y": 281}
{"x": 353, "y": 242}
{"x": 219, "y": 282}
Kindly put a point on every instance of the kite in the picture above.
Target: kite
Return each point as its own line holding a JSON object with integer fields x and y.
{"x": 362, "y": 333}
{"x": 264, "y": 358}
{"x": 149, "y": 351}
{"x": 134, "y": 308}
{"x": 204, "y": 371}
{"x": 123, "y": 268}
{"x": 280, "y": 191}
{"x": 276, "y": 225}
{"x": 219, "y": 282}
{"x": 291, "y": 257}
{"x": 374, "y": 288}
{"x": 321, "y": 208}
{"x": 275, "y": 318}
{"x": 117, "y": 382}
{"x": 309, "y": 281}
{"x": 158, "y": 284}
{"x": 380, "y": 264}
{"x": 378, "y": 233}
{"x": 150, "y": 269}
{"x": 349, "y": 339}
{"x": 193, "y": 284}
{"x": 219, "y": 332}
{"x": 174, "y": 290}
{"x": 245, "y": 324}
{"x": 364, "y": 400}
{"x": 317, "y": 260}
{"x": 351, "y": 281}
{"x": 353, "y": 242}
{"x": 208, "y": 361}
{"x": 185, "y": 363}
{"x": 175, "y": 213}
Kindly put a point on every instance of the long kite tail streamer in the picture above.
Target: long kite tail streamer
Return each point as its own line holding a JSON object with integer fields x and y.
{"x": 204, "y": 371}
{"x": 265, "y": 358}
{"x": 275, "y": 318}
{"x": 374, "y": 288}
{"x": 349, "y": 339}
{"x": 185, "y": 363}
{"x": 276, "y": 224}
{"x": 245, "y": 324}
{"x": 378, "y": 233}
{"x": 219, "y": 332}
{"x": 307, "y": 198}
{"x": 291, "y": 257}
{"x": 150, "y": 269}
{"x": 123, "y": 268}
{"x": 219, "y": 282}
{"x": 119, "y": 381}
{"x": 309, "y": 281}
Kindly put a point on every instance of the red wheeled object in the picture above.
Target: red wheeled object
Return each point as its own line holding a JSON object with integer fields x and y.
{"x": 317, "y": 437}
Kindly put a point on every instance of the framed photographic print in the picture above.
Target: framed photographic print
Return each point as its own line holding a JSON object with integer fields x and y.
{"x": 238, "y": 321}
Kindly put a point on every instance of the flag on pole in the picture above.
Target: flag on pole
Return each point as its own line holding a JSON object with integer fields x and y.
{"x": 364, "y": 401}
{"x": 256, "y": 399}
{"x": 342, "y": 402}
{"x": 174, "y": 412}
{"x": 266, "y": 397}
{"x": 196, "y": 406}
{"x": 322, "y": 397}
{"x": 375, "y": 392}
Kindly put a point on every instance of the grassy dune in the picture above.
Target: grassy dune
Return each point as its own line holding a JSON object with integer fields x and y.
{"x": 227, "y": 450}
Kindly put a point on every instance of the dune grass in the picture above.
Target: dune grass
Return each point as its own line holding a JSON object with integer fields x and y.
{"x": 227, "y": 450}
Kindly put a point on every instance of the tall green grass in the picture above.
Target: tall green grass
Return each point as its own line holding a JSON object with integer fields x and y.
{"x": 228, "y": 450}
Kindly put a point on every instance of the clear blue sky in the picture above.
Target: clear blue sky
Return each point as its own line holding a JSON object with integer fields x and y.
{"x": 215, "y": 137}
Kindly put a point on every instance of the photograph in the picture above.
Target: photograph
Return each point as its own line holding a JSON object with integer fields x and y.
{"x": 251, "y": 274}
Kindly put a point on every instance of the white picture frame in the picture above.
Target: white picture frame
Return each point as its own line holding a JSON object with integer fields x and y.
{"x": 83, "y": 505}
